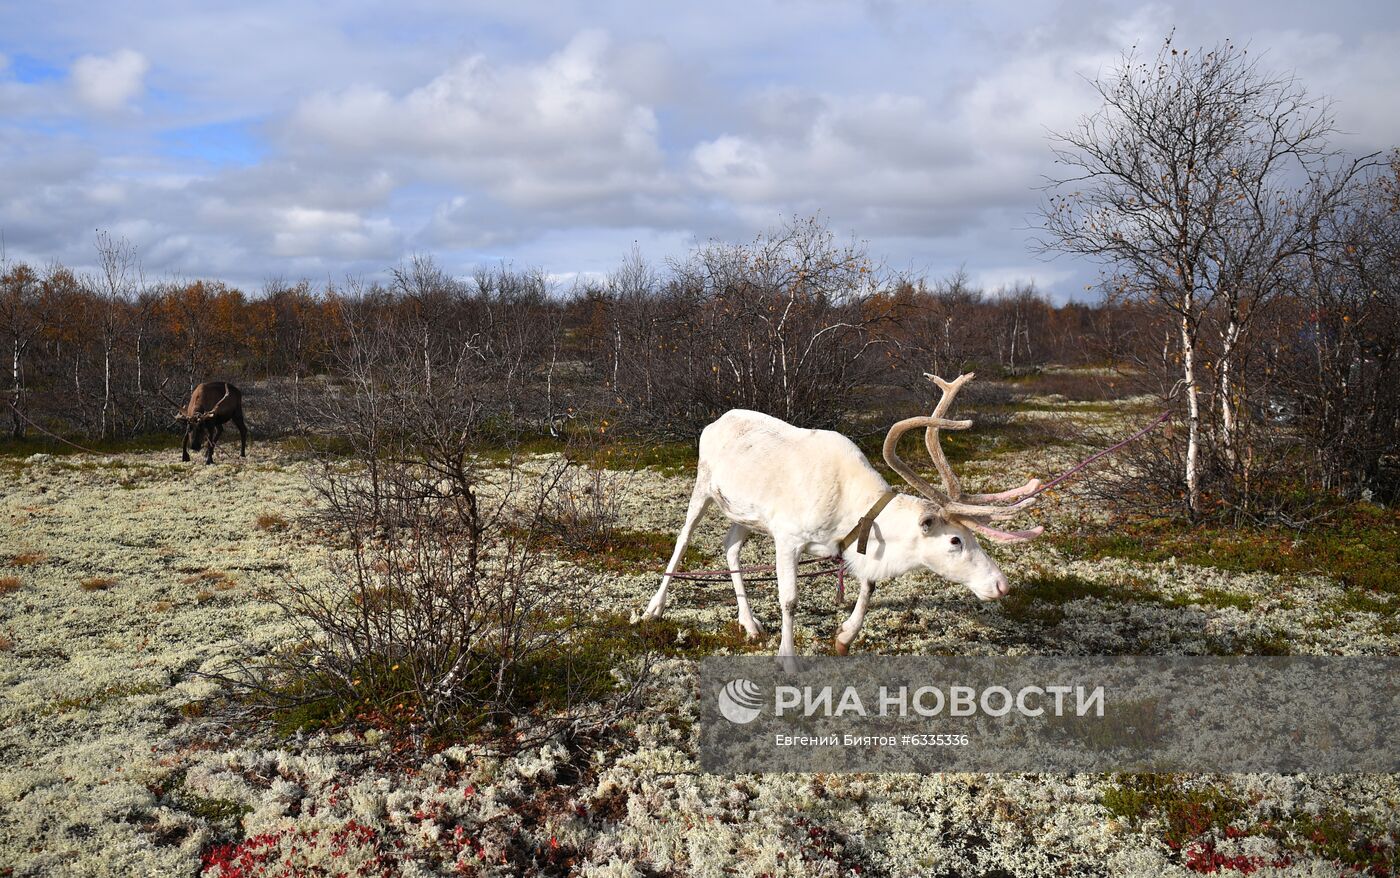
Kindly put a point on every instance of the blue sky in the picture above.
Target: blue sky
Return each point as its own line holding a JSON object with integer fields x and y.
{"x": 258, "y": 140}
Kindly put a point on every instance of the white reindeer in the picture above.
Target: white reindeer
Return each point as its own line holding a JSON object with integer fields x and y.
{"x": 814, "y": 493}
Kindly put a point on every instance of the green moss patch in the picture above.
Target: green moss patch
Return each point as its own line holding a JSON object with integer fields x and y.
{"x": 38, "y": 444}
{"x": 1359, "y": 546}
{"x": 1182, "y": 812}
{"x": 1215, "y": 597}
{"x": 108, "y": 695}
{"x": 1041, "y": 598}
{"x": 577, "y": 669}
{"x": 620, "y": 550}
{"x": 1192, "y": 818}
{"x": 220, "y": 812}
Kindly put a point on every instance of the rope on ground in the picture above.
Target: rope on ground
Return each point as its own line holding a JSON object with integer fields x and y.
{"x": 53, "y": 435}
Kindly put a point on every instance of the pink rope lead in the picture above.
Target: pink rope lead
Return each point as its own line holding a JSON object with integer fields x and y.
{"x": 52, "y": 435}
{"x": 1084, "y": 464}
{"x": 766, "y": 572}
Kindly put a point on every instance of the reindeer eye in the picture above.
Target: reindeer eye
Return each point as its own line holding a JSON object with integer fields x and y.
{"x": 956, "y": 541}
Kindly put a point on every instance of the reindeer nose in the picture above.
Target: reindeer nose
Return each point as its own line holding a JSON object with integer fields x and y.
{"x": 1002, "y": 586}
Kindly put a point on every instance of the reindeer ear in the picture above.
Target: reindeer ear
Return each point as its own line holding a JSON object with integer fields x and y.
{"x": 928, "y": 524}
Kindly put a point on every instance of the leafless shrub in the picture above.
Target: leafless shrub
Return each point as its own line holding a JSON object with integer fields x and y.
{"x": 584, "y": 509}
{"x": 784, "y": 325}
{"x": 444, "y": 614}
{"x": 1332, "y": 362}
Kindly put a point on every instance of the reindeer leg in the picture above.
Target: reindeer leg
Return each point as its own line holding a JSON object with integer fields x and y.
{"x": 213, "y": 438}
{"x": 698, "y": 501}
{"x": 185, "y": 447}
{"x": 242, "y": 433}
{"x": 733, "y": 546}
{"x": 786, "y": 569}
{"x": 851, "y": 627}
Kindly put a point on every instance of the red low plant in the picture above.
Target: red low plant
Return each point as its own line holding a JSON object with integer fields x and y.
{"x": 303, "y": 853}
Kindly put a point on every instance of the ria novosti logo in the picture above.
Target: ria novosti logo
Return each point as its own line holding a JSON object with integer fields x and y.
{"x": 740, "y": 701}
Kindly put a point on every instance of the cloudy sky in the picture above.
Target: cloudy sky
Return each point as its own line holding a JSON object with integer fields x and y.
{"x": 250, "y": 140}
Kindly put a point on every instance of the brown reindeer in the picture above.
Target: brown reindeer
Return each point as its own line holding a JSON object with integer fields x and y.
{"x": 211, "y": 405}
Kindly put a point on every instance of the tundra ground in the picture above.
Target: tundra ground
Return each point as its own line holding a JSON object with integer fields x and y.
{"x": 124, "y": 577}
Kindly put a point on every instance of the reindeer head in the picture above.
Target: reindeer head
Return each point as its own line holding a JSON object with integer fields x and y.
{"x": 948, "y": 519}
{"x": 198, "y": 427}
{"x": 198, "y": 423}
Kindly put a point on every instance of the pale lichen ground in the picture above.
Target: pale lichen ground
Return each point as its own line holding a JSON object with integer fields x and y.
{"x": 102, "y": 772}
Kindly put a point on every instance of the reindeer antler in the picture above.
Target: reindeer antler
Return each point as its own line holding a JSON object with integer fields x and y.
{"x": 204, "y": 416}
{"x": 935, "y": 450}
{"x": 973, "y": 510}
{"x": 179, "y": 407}
{"x": 897, "y": 463}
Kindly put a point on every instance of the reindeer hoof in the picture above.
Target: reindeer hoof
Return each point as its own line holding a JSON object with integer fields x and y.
{"x": 841, "y": 648}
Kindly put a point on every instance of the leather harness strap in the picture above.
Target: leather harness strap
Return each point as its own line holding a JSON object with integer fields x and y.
{"x": 860, "y": 534}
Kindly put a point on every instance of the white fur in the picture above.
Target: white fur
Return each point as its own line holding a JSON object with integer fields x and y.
{"x": 807, "y": 489}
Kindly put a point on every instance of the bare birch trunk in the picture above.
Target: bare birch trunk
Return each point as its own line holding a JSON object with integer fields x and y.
{"x": 617, "y": 353}
{"x": 106, "y": 388}
{"x": 1227, "y": 405}
{"x": 427, "y": 363}
{"x": 18, "y": 430}
{"x": 1193, "y": 408}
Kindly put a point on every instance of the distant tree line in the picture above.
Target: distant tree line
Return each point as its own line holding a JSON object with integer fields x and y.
{"x": 793, "y": 323}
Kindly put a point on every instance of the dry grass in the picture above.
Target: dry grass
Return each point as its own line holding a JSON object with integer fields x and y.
{"x": 271, "y": 522}
{"x": 97, "y": 583}
{"x": 28, "y": 559}
{"x": 216, "y": 579}
{"x": 9, "y": 584}
{"x": 203, "y": 596}
{"x": 6, "y": 644}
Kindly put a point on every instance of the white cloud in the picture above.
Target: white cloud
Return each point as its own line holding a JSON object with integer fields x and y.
{"x": 307, "y": 231}
{"x": 883, "y": 163}
{"x": 1009, "y": 278}
{"x": 110, "y": 82}
{"x": 562, "y": 132}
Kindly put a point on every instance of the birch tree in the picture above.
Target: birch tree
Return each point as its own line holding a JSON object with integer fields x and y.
{"x": 21, "y": 321}
{"x": 1193, "y": 185}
